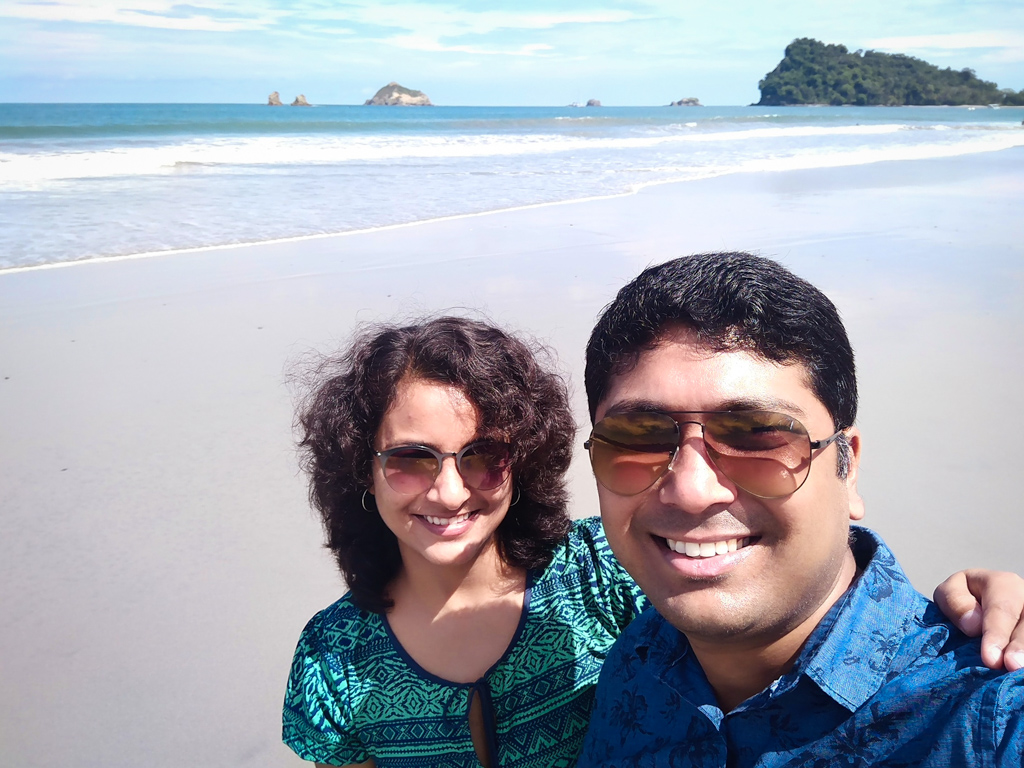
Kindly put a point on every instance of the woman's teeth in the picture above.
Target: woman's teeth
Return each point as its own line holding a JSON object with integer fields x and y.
{"x": 444, "y": 522}
{"x": 707, "y": 548}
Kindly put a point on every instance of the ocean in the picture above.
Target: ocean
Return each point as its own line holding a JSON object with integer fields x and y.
{"x": 87, "y": 181}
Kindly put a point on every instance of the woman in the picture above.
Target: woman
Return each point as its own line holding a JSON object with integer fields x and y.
{"x": 479, "y": 614}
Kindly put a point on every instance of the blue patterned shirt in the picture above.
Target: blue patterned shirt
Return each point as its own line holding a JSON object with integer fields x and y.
{"x": 884, "y": 680}
{"x": 355, "y": 694}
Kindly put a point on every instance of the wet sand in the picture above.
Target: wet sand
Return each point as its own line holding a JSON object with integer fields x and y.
{"x": 157, "y": 554}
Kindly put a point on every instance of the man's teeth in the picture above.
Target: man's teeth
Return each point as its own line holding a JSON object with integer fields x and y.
{"x": 707, "y": 548}
{"x": 446, "y": 521}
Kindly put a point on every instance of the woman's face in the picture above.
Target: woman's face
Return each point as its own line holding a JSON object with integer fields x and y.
{"x": 449, "y": 523}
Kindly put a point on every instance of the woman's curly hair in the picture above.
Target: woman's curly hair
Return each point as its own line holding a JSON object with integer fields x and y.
{"x": 519, "y": 402}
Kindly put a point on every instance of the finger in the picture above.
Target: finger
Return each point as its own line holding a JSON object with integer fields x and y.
{"x": 1013, "y": 654}
{"x": 1002, "y": 600}
{"x": 955, "y": 599}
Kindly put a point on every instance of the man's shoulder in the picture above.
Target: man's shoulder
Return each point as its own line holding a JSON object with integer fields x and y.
{"x": 910, "y": 680}
{"x": 882, "y": 632}
{"x": 946, "y": 709}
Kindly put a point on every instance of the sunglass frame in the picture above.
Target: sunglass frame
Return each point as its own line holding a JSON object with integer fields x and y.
{"x": 813, "y": 445}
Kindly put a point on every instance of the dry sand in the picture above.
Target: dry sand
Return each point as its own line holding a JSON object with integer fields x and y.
{"x": 157, "y": 555}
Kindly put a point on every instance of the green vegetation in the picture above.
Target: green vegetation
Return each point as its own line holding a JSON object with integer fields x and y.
{"x": 814, "y": 73}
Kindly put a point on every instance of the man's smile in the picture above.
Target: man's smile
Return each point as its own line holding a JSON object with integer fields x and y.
{"x": 699, "y": 549}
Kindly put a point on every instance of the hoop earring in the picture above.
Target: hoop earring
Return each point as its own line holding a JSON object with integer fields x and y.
{"x": 363, "y": 501}
{"x": 518, "y": 496}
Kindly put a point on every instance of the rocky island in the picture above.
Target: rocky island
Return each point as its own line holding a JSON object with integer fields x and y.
{"x": 812, "y": 72}
{"x": 689, "y": 101}
{"x": 274, "y": 100}
{"x": 300, "y": 101}
{"x": 395, "y": 95}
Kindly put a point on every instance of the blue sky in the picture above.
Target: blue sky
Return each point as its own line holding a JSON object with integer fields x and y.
{"x": 479, "y": 53}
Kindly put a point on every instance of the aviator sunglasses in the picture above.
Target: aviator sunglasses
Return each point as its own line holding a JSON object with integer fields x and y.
{"x": 412, "y": 469}
{"x": 766, "y": 454}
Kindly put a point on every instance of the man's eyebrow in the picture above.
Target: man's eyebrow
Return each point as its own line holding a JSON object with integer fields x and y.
{"x": 637, "y": 405}
{"x": 763, "y": 404}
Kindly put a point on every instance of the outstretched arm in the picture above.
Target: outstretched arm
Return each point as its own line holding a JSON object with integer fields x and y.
{"x": 990, "y": 604}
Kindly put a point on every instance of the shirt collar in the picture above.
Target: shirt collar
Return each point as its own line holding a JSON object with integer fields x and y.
{"x": 849, "y": 653}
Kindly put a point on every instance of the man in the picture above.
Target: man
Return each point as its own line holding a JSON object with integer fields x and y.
{"x": 723, "y": 393}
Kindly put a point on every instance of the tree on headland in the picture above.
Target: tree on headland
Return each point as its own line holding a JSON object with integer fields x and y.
{"x": 812, "y": 72}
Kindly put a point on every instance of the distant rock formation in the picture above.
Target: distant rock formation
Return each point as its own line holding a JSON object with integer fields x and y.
{"x": 394, "y": 95}
{"x": 593, "y": 103}
{"x": 690, "y": 101}
{"x": 300, "y": 101}
{"x": 274, "y": 100}
{"x": 812, "y": 72}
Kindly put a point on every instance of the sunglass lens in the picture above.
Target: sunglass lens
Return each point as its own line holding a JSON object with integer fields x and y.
{"x": 767, "y": 454}
{"x": 630, "y": 451}
{"x": 410, "y": 470}
{"x": 484, "y": 466}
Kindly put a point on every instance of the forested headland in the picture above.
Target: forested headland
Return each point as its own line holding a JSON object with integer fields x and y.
{"x": 812, "y": 72}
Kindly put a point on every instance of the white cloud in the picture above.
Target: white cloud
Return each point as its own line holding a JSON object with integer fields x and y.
{"x": 422, "y": 19}
{"x": 448, "y": 20}
{"x": 159, "y": 14}
{"x": 443, "y": 28}
{"x": 421, "y": 43}
{"x": 955, "y": 41}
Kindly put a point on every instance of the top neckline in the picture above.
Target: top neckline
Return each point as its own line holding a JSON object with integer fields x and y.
{"x": 421, "y": 672}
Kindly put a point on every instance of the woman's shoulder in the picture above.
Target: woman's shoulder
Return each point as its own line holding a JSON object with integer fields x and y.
{"x": 586, "y": 537}
{"x": 342, "y": 628}
{"x": 584, "y": 552}
{"x": 586, "y": 580}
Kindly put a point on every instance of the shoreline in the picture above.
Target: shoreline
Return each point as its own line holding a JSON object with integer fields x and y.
{"x": 760, "y": 167}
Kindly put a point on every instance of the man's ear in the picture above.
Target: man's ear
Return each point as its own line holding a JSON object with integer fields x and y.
{"x": 856, "y": 502}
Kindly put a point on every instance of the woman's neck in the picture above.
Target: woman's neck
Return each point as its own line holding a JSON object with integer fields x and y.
{"x": 457, "y": 622}
{"x": 439, "y": 588}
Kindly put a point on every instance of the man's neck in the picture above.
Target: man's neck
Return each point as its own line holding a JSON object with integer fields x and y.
{"x": 739, "y": 668}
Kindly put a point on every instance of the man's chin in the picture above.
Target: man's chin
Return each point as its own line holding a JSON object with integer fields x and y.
{"x": 704, "y": 613}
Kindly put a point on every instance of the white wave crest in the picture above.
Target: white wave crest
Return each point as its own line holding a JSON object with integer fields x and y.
{"x": 210, "y": 156}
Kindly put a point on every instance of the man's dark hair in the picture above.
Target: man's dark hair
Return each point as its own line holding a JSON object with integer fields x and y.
{"x": 731, "y": 301}
{"x": 519, "y": 402}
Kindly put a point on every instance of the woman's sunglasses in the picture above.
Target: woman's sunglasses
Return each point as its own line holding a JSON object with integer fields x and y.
{"x": 414, "y": 468}
{"x": 766, "y": 454}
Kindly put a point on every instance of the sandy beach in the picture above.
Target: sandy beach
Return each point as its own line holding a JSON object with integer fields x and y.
{"x": 157, "y": 554}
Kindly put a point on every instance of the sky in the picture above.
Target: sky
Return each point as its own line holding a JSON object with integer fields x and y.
{"x": 523, "y": 52}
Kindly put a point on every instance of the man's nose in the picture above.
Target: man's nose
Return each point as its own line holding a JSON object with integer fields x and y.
{"x": 693, "y": 482}
{"x": 449, "y": 489}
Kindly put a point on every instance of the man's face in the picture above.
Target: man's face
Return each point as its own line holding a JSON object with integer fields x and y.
{"x": 796, "y": 558}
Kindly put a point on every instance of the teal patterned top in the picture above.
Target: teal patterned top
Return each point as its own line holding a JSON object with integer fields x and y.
{"x": 355, "y": 694}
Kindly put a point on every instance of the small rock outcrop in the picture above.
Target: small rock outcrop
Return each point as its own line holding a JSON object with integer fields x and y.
{"x": 274, "y": 100}
{"x": 690, "y": 101}
{"x": 300, "y": 101}
{"x": 593, "y": 103}
{"x": 395, "y": 95}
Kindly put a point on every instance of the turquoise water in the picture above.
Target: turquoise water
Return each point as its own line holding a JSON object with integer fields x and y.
{"x": 81, "y": 181}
